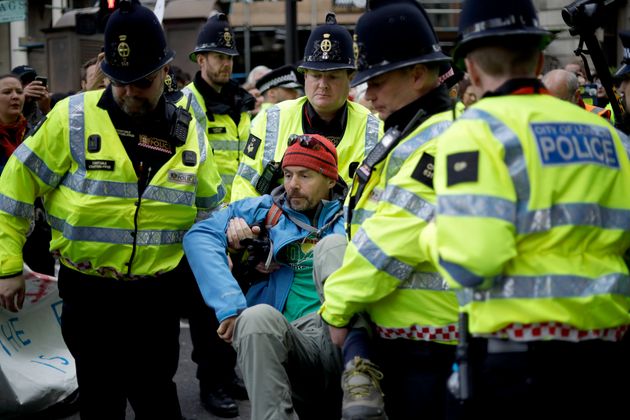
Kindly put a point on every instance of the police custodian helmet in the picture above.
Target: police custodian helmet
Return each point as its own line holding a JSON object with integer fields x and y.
{"x": 329, "y": 47}
{"x": 135, "y": 45}
{"x": 498, "y": 22}
{"x": 392, "y": 35}
{"x": 215, "y": 36}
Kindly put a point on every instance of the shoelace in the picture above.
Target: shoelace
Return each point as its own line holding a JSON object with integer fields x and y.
{"x": 366, "y": 368}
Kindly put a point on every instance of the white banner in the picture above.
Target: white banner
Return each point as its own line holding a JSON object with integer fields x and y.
{"x": 12, "y": 10}
{"x": 36, "y": 368}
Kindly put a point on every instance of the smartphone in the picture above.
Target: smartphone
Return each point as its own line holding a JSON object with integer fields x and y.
{"x": 42, "y": 79}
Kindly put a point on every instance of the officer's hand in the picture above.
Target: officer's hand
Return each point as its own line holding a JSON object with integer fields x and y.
{"x": 226, "y": 329}
{"x": 12, "y": 293}
{"x": 338, "y": 335}
{"x": 238, "y": 230}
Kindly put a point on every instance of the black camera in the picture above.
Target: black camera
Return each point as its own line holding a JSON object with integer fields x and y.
{"x": 586, "y": 15}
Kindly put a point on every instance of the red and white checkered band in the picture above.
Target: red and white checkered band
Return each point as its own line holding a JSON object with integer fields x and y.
{"x": 416, "y": 332}
{"x": 557, "y": 331}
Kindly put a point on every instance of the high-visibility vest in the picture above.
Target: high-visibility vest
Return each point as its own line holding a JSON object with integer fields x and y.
{"x": 91, "y": 196}
{"x": 533, "y": 215}
{"x": 270, "y": 132}
{"x": 384, "y": 272}
{"x": 226, "y": 138}
{"x": 602, "y": 112}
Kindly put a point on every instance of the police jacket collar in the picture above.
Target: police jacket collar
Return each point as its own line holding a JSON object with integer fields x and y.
{"x": 232, "y": 100}
{"x": 312, "y": 123}
{"x": 524, "y": 86}
{"x": 433, "y": 102}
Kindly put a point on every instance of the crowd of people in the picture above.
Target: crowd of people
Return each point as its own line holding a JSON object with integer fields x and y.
{"x": 380, "y": 231}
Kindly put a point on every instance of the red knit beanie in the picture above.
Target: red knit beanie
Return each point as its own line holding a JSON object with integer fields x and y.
{"x": 314, "y": 152}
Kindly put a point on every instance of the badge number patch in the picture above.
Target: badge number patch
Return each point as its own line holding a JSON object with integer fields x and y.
{"x": 99, "y": 165}
{"x": 182, "y": 178}
{"x": 251, "y": 148}
{"x": 424, "y": 170}
{"x": 462, "y": 167}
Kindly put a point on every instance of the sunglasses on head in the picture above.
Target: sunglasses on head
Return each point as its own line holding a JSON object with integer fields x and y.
{"x": 310, "y": 143}
{"x": 144, "y": 83}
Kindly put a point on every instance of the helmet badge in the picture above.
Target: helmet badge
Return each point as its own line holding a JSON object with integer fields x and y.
{"x": 325, "y": 46}
{"x": 123, "y": 49}
{"x": 227, "y": 37}
{"x": 355, "y": 48}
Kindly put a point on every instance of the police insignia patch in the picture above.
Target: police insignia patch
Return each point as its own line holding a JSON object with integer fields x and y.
{"x": 251, "y": 148}
{"x": 217, "y": 130}
{"x": 424, "y": 170}
{"x": 462, "y": 167}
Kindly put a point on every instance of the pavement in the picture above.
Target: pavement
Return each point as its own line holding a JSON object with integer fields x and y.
{"x": 187, "y": 389}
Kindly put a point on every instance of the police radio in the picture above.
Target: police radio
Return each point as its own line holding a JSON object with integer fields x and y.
{"x": 179, "y": 124}
{"x": 269, "y": 178}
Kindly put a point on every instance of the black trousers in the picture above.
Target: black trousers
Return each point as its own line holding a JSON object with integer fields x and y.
{"x": 549, "y": 380}
{"x": 124, "y": 337}
{"x": 415, "y": 376}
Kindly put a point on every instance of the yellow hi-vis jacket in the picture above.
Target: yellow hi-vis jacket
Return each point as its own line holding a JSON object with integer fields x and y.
{"x": 383, "y": 272}
{"x": 271, "y": 129}
{"x": 533, "y": 215}
{"x": 225, "y": 137}
{"x": 92, "y": 196}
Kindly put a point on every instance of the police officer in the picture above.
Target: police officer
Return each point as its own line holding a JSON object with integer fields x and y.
{"x": 532, "y": 223}
{"x": 328, "y": 66}
{"x": 218, "y": 102}
{"x": 281, "y": 84}
{"x": 121, "y": 186}
{"x": 383, "y": 272}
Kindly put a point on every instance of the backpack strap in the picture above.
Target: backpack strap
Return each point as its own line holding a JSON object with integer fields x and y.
{"x": 273, "y": 215}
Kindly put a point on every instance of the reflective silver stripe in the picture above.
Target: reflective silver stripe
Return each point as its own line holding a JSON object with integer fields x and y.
{"x": 271, "y": 134}
{"x": 580, "y": 214}
{"x": 379, "y": 259}
{"x": 200, "y": 116}
{"x": 371, "y": 133}
{"x": 16, "y": 208}
{"x": 402, "y": 152}
{"x": 211, "y": 202}
{"x": 460, "y": 274}
{"x": 477, "y": 206}
{"x": 77, "y": 131}
{"x": 116, "y": 236}
{"x": 169, "y": 195}
{"x": 229, "y": 145}
{"x": 550, "y": 286}
{"x": 247, "y": 172}
{"x": 358, "y": 216}
{"x": 227, "y": 179}
{"x": 514, "y": 157}
{"x": 420, "y": 280}
{"x": 574, "y": 214}
{"x": 36, "y": 165}
{"x": 84, "y": 185}
{"x": 409, "y": 201}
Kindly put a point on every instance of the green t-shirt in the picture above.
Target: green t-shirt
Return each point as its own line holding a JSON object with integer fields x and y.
{"x": 303, "y": 298}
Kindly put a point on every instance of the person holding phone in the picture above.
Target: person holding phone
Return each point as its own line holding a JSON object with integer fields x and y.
{"x": 35, "y": 87}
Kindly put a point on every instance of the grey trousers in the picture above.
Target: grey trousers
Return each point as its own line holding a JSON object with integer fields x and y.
{"x": 292, "y": 370}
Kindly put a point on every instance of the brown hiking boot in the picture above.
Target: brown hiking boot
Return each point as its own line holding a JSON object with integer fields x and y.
{"x": 362, "y": 395}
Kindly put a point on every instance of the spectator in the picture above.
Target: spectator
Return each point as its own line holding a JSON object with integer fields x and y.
{"x": 565, "y": 85}
{"x": 37, "y": 102}
{"x": 250, "y": 85}
{"x": 282, "y": 344}
{"x": 92, "y": 77}
{"x": 13, "y": 125}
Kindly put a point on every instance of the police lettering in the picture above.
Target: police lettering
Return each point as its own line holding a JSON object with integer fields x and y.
{"x": 575, "y": 143}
